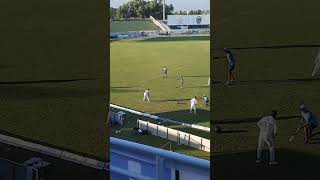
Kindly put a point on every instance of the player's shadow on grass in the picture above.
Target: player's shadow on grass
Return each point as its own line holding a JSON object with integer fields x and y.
{"x": 205, "y": 86}
{"x": 189, "y": 76}
{"x": 175, "y": 38}
{"x": 232, "y": 131}
{"x": 292, "y": 165}
{"x": 47, "y": 81}
{"x": 171, "y": 100}
{"x": 315, "y": 138}
{"x": 5, "y": 67}
{"x": 124, "y": 89}
{"x": 249, "y": 119}
{"x": 202, "y": 116}
{"x": 219, "y": 57}
{"x": 302, "y": 80}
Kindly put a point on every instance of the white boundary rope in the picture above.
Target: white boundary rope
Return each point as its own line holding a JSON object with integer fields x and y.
{"x": 158, "y": 118}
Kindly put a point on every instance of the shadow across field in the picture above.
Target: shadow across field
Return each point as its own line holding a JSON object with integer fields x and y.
{"x": 124, "y": 89}
{"x": 249, "y": 119}
{"x": 219, "y": 57}
{"x": 292, "y": 165}
{"x": 181, "y": 100}
{"x": 48, "y": 81}
{"x": 171, "y": 100}
{"x": 196, "y": 86}
{"x": 5, "y": 67}
{"x": 191, "y": 76}
{"x": 184, "y": 116}
{"x": 232, "y": 131}
{"x": 302, "y": 80}
{"x": 25, "y": 92}
{"x": 271, "y": 47}
{"x": 175, "y": 38}
{"x": 3, "y": 132}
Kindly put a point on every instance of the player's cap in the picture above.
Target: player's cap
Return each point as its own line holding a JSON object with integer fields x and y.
{"x": 302, "y": 106}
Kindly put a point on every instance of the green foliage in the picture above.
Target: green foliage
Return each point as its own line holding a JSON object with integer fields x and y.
{"x": 140, "y": 9}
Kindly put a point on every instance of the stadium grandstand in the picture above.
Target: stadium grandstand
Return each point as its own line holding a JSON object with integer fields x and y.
{"x": 188, "y": 21}
{"x": 146, "y": 27}
{"x": 134, "y": 24}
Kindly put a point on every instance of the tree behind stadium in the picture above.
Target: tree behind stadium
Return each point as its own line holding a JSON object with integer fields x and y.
{"x": 140, "y": 9}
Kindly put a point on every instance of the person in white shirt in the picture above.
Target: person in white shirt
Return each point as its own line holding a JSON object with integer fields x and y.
{"x": 315, "y": 72}
{"x": 206, "y": 100}
{"x": 165, "y": 72}
{"x": 267, "y": 131}
{"x": 181, "y": 81}
{"x": 193, "y": 103}
{"x": 146, "y": 95}
{"x": 209, "y": 82}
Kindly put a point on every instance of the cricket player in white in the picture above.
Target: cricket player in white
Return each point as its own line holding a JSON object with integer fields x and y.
{"x": 268, "y": 129}
{"x": 146, "y": 95}
{"x": 209, "y": 82}
{"x": 181, "y": 82}
{"x": 193, "y": 103}
{"x": 316, "y": 67}
{"x": 165, "y": 72}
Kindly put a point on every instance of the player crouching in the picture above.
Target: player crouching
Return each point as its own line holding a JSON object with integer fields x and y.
{"x": 310, "y": 122}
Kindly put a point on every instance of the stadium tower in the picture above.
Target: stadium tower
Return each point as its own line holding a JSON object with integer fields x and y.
{"x": 164, "y": 10}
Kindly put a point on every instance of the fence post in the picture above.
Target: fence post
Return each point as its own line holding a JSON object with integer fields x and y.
{"x": 157, "y": 130}
{"x": 159, "y": 167}
{"x": 201, "y": 146}
{"x": 189, "y": 141}
{"x": 178, "y": 137}
{"x": 167, "y": 133}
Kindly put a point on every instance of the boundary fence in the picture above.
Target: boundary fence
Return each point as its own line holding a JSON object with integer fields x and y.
{"x": 175, "y": 135}
{"x": 162, "y": 119}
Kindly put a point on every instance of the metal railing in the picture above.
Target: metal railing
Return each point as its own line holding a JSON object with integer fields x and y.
{"x": 10, "y": 170}
{"x": 129, "y": 160}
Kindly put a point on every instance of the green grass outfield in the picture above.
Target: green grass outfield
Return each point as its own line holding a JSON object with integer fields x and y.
{"x": 266, "y": 79}
{"x": 135, "y": 25}
{"x": 56, "y": 40}
{"x": 137, "y": 65}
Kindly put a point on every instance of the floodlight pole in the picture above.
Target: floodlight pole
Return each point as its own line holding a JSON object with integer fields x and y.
{"x": 164, "y": 10}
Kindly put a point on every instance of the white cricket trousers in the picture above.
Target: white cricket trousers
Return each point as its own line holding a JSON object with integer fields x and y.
{"x": 193, "y": 107}
{"x": 269, "y": 140}
{"x": 146, "y": 97}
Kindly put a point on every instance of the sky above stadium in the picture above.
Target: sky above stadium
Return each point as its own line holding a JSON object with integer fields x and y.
{"x": 179, "y": 5}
